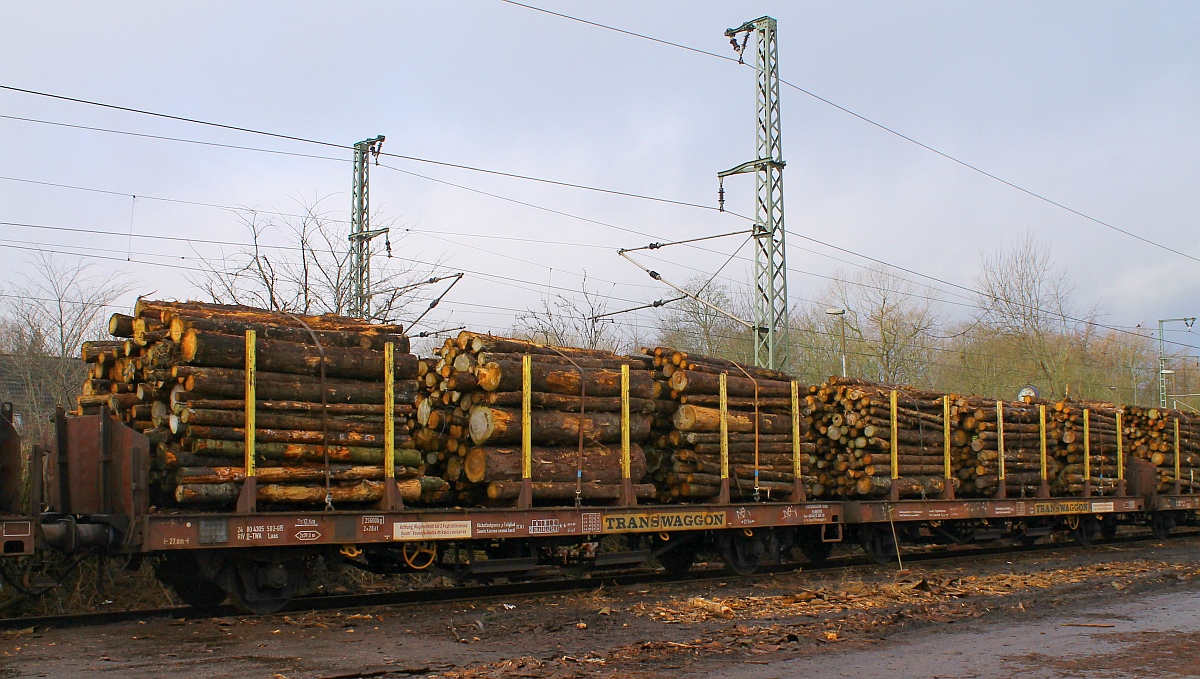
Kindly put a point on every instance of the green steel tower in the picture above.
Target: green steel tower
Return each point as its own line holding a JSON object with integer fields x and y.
{"x": 770, "y": 265}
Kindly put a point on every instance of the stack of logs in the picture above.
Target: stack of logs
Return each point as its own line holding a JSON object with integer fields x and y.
{"x": 759, "y": 417}
{"x": 1151, "y": 435}
{"x": 178, "y": 376}
{"x": 470, "y": 414}
{"x": 851, "y": 428}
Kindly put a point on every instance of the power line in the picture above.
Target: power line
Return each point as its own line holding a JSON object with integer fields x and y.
{"x": 181, "y": 140}
{"x": 417, "y": 159}
{"x": 180, "y": 201}
{"x": 282, "y": 136}
{"x": 184, "y": 119}
{"x": 890, "y": 130}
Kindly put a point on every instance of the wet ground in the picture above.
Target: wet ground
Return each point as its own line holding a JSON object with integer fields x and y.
{"x": 1109, "y": 611}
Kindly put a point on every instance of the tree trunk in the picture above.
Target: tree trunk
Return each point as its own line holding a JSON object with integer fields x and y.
{"x": 511, "y": 490}
{"x": 600, "y": 464}
{"x": 558, "y": 379}
{"x": 570, "y": 404}
{"x": 301, "y": 389}
{"x": 688, "y": 382}
{"x": 366, "y": 338}
{"x": 501, "y": 425}
{"x": 696, "y": 418}
{"x": 229, "y": 351}
{"x": 345, "y": 438}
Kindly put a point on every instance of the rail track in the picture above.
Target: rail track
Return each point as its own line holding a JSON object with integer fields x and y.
{"x": 475, "y": 593}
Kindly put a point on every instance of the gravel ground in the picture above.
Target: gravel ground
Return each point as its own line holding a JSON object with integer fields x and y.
{"x": 1107, "y": 611}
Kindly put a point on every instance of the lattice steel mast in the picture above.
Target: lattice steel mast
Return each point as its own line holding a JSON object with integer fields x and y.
{"x": 360, "y": 228}
{"x": 770, "y": 265}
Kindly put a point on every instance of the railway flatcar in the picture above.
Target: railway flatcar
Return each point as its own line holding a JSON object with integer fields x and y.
{"x": 233, "y": 447}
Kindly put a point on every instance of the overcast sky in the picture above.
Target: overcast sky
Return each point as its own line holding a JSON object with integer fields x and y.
{"x": 1091, "y": 104}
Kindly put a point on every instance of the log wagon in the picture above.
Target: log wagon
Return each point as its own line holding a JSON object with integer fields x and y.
{"x": 233, "y": 446}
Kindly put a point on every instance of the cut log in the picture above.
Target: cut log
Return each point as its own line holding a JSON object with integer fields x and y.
{"x": 600, "y": 464}
{"x": 229, "y": 351}
{"x": 546, "y": 491}
{"x": 688, "y": 382}
{"x": 344, "y": 438}
{"x": 300, "y": 452}
{"x": 502, "y": 425}
{"x": 697, "y": 418}
{"x": 300, "y": 389}
{"x": 570, "y": 404}
{"x": 308, "y": 474}
{"x": 558, "y": 379}
{"x": 411, "y": 490}
{"x": 363, "y": 338}
{"x": 278, "y": 420}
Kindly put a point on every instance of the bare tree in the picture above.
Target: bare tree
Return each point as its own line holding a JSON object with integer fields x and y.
{"x": 568, "y": 321}
{"x": 1031, "y": 306}
{"x": 888, "y": 321}
{"x": 691, "y": 325}
{"x": 310, "y": 271}
{"x": 49, "y": 313}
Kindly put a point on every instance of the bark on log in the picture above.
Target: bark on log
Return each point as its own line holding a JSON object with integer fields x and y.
{"x": 511, "y": 490}
{"x": 548, "y": 377}
{"x": 600, "y": 464}
{"x": 301, "y": 389}
{"x": 688, "y": 382}
{"x": 308, "y": 474}
{"x": 697, "y": 418}
{"x": 366, "y": 338}
{"x": 341, "y": 438}
{"x": 615, "y": 363}
{"x": 411, "y": 490}
{"x": 301, "y": 452}
{"x": 502, "y": 425}
{"x": 298, "y": 406}
{"x": 120, "y": 325}
{"x": 908, "y": 485}
{"x": 570, "y": 404}
{"x": 277, "y": 420}
{"x": 229, "y": 351}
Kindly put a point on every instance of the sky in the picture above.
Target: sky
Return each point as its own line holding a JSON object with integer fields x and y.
{"x": 1092, "y": 105}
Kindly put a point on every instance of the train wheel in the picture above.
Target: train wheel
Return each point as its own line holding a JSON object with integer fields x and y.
{"x": 264, "y": 587}
{"x": 1108, "y": 526}
{"x": 678, "y": 559}
{"x": 1161, "y": 524}
{"x": 810, "y": 544}
{"x": 742, "y": 551}
{"x": 1084, "y": 532}
{"x": 182, "y": 573}
{"x": 878, "y": 543}
{"x": 199, "y": 593}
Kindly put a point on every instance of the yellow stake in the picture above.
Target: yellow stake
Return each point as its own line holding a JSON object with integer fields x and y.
{"x": 1000, "y": 435}
{"x": 895, "y": 439}
{"x": 1042, "y": 434}
{"x": 797, "y": 465}
{"x": 389, "y": 410}
{"x": 251, "y": 399}
{"x": 526, "y": 417}
{"x": 1176, "y": 448}
{"x": 624, "y": 421}
{"x": 724, "y": 429}
{"x": 946, "y": 433}
{"x": 1120, "y": 449}
{"x": 1087, "y": 445}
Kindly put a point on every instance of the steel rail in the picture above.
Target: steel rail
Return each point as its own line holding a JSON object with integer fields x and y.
{"x": 526, "y": 589}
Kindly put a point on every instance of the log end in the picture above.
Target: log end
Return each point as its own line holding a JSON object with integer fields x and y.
{"x": 475, "y": 465}
{"x": 488, "y": 376}
{"x": 481, "y": 425}
{"x": 188, "y": 346}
